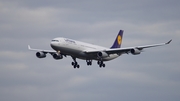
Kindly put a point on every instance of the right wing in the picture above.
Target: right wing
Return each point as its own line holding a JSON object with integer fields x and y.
{"x": 134, "y": 50}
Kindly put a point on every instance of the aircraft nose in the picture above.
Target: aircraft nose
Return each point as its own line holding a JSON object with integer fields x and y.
{"x": 51, "y": 43}
{"x": 54, "y": 43}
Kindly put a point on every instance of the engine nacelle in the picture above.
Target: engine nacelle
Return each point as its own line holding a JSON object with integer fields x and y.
{"x": 57, "y": 56}
{"x": 102, "y": 54}
{"x": 40, "y": 54}
{"x": 135, "y": 51}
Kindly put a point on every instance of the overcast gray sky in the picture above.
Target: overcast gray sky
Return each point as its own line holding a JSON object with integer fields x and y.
{"x": 153, "y": 75}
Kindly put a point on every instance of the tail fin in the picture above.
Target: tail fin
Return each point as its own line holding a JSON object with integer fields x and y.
{"x": 118, "y": 40}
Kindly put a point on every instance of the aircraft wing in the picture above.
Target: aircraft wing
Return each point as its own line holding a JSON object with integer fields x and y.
{"x": 127, "y": 50}
{"x": 41, "y": 50}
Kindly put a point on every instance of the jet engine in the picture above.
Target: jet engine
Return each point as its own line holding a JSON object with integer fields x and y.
{"x": 40, "y": 54}
{"x": 57, "y": 56}
{"x": 102, "y": 54}
{"x": 135, "y": 51}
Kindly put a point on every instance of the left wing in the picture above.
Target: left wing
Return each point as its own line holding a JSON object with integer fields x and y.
{"x": 134, "y": 50}
{"x": 41, "y": 50}
{"x": 42, "y": 53}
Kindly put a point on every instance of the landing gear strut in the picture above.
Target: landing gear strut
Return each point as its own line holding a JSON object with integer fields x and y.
{"x": 75, "y": 64}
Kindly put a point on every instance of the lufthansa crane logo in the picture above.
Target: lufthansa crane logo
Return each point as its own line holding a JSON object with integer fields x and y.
{"x": 119, "y": 39}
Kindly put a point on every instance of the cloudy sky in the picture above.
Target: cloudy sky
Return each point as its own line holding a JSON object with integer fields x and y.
{"x": 153, "y": 75}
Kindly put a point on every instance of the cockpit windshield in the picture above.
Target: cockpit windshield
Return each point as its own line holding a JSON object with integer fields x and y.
{"x": 55, "y": 40}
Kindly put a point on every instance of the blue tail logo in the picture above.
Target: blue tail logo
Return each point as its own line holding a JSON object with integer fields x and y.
{"x": 118, "y": 40}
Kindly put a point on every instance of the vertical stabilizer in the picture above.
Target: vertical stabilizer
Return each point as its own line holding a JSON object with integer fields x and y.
{"x": 118, "y": 40}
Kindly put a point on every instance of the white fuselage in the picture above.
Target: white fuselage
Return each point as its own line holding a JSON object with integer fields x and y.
{"x": 78, "y": 49}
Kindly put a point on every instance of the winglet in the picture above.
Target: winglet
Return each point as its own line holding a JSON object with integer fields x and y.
{"x": 29, "y": 47}
{"x": 169, "y": 41}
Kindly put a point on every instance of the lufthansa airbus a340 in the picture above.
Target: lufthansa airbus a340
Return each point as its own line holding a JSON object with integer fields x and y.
{"x": 67, "y": 47}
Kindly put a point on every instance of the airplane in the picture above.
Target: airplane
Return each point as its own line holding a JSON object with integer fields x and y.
{"x": 63, "y": 47}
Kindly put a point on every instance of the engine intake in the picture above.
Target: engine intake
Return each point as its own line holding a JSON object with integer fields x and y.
{"x": 40, "y": 54}
{"x": 135, "y": 51}
{"x": 57, "y": 56}
{"x": 102, "y": 54}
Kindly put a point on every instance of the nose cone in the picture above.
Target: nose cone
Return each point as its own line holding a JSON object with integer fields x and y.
{"x": 54, "y": 43}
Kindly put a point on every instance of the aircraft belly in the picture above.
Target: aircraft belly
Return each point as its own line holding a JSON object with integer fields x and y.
{"x": 111, "y": 57}
{"x": 78, "y": 53}
{"x": 73, "y": 51}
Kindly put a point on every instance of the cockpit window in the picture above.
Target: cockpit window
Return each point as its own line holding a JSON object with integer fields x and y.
{"x": 55, "y": 40}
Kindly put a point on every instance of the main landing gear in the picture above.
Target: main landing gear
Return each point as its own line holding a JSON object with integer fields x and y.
{"x": 101, "y": 64}
{"x": 89, "y": 62}
{"x": 75, "y": 64}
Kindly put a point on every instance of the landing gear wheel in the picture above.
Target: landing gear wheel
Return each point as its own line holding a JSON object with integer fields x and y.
{"x": 101, "y": 64}
{"x": 89, "y": 62}
{"x": 75, "y": 64}
{"x": 98, "y": 62}
{"x": 72, "y": 63}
